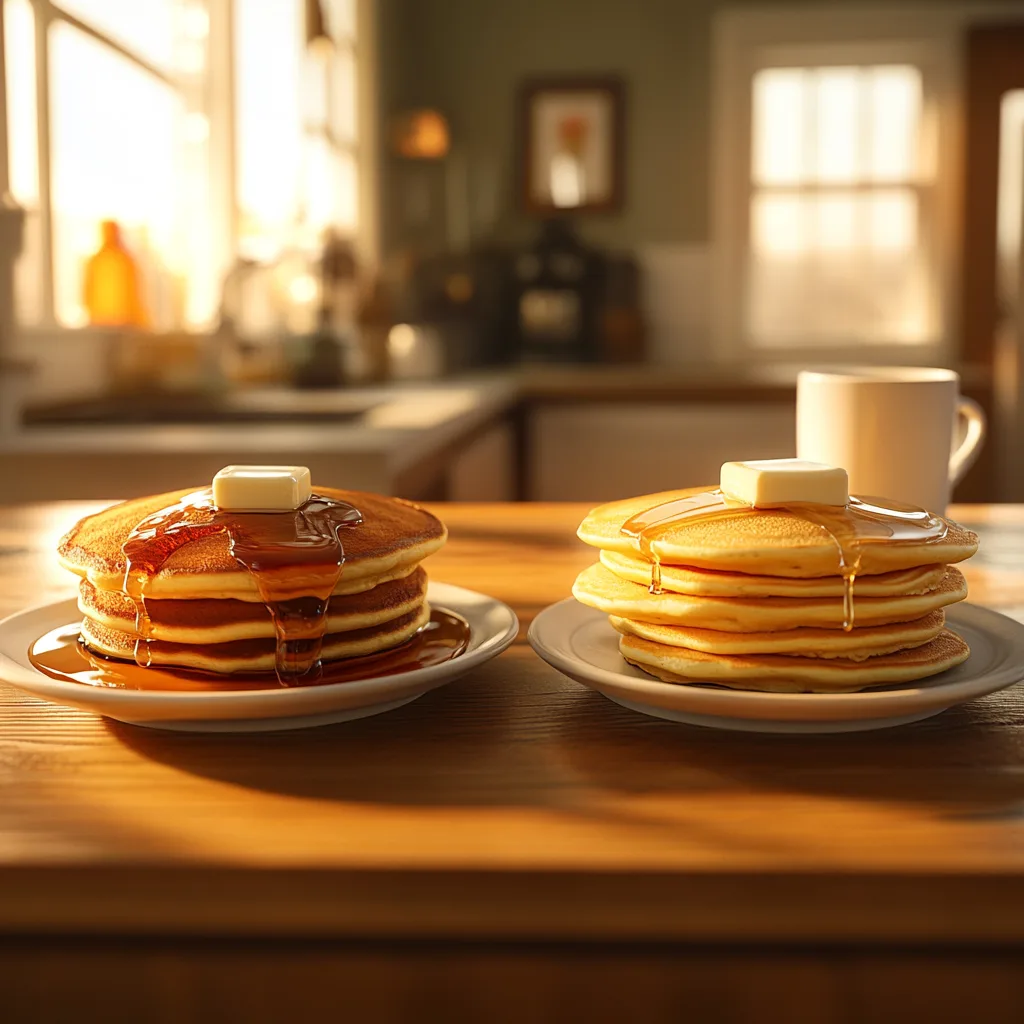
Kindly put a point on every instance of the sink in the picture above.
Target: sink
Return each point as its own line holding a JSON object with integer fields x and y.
{"x": 155, "y": 409}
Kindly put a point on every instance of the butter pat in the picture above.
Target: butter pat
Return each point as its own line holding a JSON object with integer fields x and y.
{"x": 774, "y": 482}
{"x": 261, "y": 488}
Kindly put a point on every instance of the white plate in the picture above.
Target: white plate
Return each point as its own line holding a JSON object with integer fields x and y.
{"x": 493, "y": 626}
{"x": 579, "y": 642}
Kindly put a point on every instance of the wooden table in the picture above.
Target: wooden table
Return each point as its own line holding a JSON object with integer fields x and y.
{"x": 512, "y": 847}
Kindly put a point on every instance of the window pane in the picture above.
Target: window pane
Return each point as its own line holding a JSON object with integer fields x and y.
{"x": 894, "y": 102}
{"x": 779, "y": 226}
{"x": 891, "y": 220}
{"x": 341, "y": 18}
{"x": 837, "y": 105}
{"x": 850, "y": 263}
{"x": 330, "y": 187}
{"x": 835, "y": 223}
{"x": 20, "y": 85}
{"x": 268, "y": 91}
{"x": 348, "y": 191}
{"x": 1010, "y": 196}
{"x": 145, "y": 27}
{"x": 836, "y": 125}
{"x": 23, "y": 155}
{"x": 113, "y": 156}
{"x": 316, "y": 72}
{"x": 779, "y": 102}
{"x": 343, "y": 96}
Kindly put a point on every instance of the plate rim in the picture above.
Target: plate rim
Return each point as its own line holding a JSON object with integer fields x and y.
{"x": 41, "y": 685}
{"x": 698, "y": 698}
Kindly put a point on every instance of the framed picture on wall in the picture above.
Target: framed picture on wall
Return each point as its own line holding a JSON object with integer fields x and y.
{"x": 572, "y": 145}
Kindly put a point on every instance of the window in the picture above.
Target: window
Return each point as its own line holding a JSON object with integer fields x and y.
{"x": 208, "y": 129}
{"x": 833, "y": 221}
{"x": 1010, "y": 206}
{"x": 839, "y": 192}
{"x": 296, "y": 126}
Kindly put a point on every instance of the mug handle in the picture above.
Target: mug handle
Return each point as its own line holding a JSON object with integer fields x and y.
{"x": 967, "y": 451}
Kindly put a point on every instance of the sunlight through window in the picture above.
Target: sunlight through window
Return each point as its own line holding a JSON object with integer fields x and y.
{"x": 139, "y": 128}
{"x": 838, "y": 186}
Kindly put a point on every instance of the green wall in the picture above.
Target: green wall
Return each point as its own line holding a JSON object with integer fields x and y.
{"x": 468, "y": 57}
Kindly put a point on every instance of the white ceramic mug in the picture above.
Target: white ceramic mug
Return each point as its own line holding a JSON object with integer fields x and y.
{"x": 891, "y": 428}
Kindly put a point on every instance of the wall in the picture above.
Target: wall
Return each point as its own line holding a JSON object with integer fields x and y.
{"x": 468, "y": 57}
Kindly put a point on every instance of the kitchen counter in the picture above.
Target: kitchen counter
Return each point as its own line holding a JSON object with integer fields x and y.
{"x": 513, "y": 846}
{"x": 404, "y": 437}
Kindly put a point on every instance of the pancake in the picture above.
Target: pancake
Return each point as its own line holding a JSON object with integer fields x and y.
{"x": 782, "y": 674}
{"x": 711, "y": 583}
{"x": 210, "y": 621}
{"x": 393, "y": 538}
{"x": 853, "y": 645}
{"x": 600, "y": 588}
{"x": 255, "y": 655}
{"x": 764, "y": 542}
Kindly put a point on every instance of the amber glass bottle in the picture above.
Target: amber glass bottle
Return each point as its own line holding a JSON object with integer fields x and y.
{"x": 112, "y": 290}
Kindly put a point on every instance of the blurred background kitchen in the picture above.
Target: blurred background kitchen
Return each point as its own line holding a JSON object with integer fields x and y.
{"x": 483, "y": 249}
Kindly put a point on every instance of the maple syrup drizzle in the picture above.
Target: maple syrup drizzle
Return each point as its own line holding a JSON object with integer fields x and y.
{"x": 851, "y": 527}
{"x": 295, "y": 559}
{"x": 61, "y": 654}
{"x": 645, "y": 527}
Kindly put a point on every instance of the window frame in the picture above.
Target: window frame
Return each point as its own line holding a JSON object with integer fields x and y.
{"x": 746, "y": 41}
{"x": 219, "y": 108}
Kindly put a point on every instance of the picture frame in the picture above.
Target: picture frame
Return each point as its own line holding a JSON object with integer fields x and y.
{"x": 572, "y": 145}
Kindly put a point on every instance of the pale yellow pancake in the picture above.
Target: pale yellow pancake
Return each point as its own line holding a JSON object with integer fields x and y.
{"x": 682, "y": 579}
{"x": 781, "y": 674}
{"x": 253, "y": 655}
{"x": 854, "y": 645}
{"x": 210, "y": 621}
{"x": 763, "y": 542}
{"x": 393, "y": 538}
{"x": 600, "y": 588}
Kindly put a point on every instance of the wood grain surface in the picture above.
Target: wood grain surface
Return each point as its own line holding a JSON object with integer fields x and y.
{"x": 513, "y": 806}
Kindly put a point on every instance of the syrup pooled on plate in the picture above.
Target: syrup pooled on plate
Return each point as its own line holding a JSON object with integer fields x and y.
{"x": 295, "y": 557}
{"x": 60, "y": 654}
{"x": 851, "y": 527}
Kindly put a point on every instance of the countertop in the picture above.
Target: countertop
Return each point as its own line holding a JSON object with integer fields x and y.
{"x": 513, "y": 838}
{"x": 402, "y": 420}
{"x": 401, "y": 445}
{"x": 514, "y": 800}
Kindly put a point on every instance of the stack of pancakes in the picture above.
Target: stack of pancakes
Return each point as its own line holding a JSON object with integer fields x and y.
{"x": 204, "y": 607}
{"x": 756, "y": 602}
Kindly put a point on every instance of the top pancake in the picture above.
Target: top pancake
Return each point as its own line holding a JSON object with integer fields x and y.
{"x": 765, "y": 542}
{"x": 393, "y": 537}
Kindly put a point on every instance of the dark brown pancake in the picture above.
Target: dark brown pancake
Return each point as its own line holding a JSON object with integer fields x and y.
{"x": 207, "y": 620}
{"x": 252, "y": 655}
{"x": 393, "y": 533}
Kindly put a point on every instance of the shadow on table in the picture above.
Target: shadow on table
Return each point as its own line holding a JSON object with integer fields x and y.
{"x": 514, "y": 734}
{"x": 963, "y": 763}
{"x": 472, "y": 743}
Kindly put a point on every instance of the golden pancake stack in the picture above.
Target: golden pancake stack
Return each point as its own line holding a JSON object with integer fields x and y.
{"x": 756, "y": 601}
{"x": 205, "y": 609}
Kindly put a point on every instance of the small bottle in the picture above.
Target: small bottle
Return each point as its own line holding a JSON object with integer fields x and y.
{"x": 112, "y": 293}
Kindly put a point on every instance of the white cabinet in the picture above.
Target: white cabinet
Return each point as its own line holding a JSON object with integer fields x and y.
{"x": 484, "y": 470}
{"x": 612, "y": 450}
